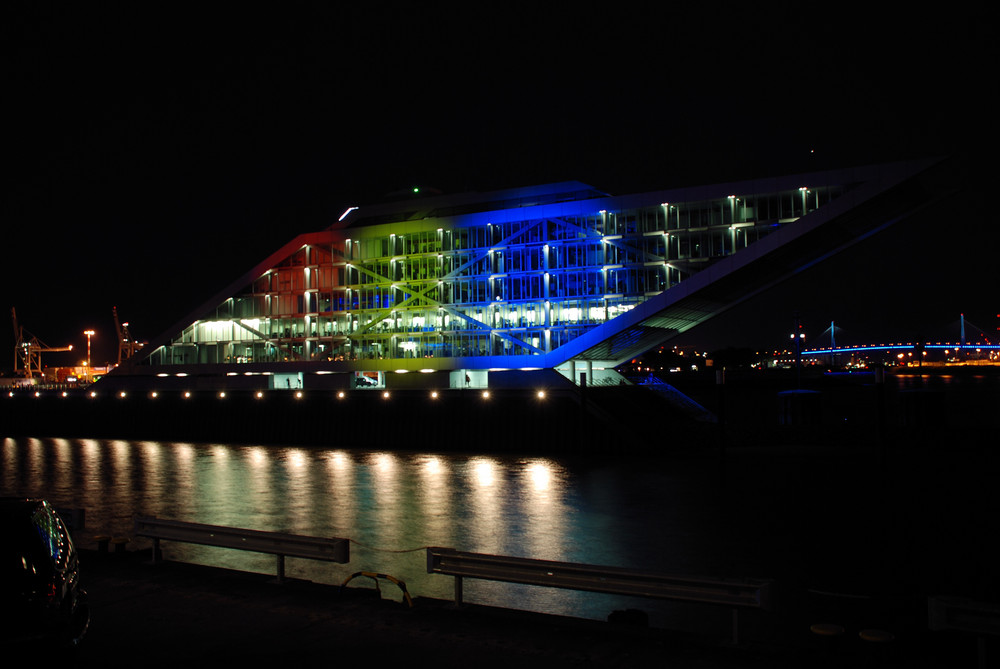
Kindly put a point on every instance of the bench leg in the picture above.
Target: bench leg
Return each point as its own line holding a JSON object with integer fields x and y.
{"x": 281, "y": 569}
{"x": 156, "y": 549}
{"x": 458, "y": 591}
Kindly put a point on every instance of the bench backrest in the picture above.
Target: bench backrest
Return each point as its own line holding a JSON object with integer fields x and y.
{"x": 331, "y": 549}
{"x": 751, "y": 593}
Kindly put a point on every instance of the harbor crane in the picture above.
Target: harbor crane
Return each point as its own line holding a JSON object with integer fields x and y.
{"x": 126, "y": 345}
{"x": 28, "y": 350}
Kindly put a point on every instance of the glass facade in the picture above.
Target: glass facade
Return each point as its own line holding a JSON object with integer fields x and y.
{"x": 458, "y": 290}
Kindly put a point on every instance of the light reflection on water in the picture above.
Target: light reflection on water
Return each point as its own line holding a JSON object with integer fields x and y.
{"x": 390, "y": 505}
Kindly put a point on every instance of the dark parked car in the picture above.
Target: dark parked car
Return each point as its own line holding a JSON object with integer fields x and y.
{"x": 40, "y": 593}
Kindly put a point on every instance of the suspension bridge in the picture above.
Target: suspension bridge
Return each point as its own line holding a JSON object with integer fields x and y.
{"x": 969, "y": 338}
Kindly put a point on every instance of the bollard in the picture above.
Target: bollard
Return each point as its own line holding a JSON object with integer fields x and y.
{"x": 830, "y": 637}
{"x": 878, "y": 645}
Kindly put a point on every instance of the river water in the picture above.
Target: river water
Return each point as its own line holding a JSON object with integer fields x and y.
{"x": 391, "y": 506}
{"x": 811, "y": 516}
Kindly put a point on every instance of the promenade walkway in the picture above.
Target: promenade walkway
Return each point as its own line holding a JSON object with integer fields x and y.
{"x": 174, "y": 614}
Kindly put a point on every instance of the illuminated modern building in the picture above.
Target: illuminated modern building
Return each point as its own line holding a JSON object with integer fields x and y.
{"x": 487, "y": 289}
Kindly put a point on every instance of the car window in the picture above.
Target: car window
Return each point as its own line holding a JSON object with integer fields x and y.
{"x": 51, "y": 533}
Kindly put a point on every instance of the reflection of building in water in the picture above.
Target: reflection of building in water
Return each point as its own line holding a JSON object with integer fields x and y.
{"x": 552, "y": 278}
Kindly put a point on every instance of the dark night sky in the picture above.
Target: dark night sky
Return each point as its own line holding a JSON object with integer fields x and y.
{"x": 155, "y": 152}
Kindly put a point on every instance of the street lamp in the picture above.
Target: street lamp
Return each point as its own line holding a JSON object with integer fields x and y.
{"x": 798, "y": 337}
{"x": 89, "y": 333}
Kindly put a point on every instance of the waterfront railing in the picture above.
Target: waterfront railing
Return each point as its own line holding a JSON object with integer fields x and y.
{"x": 735, "y": 593}
{"x": 281, "y": 545}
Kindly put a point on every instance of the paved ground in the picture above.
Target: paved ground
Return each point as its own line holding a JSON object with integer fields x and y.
{"x": 173, "y": 614}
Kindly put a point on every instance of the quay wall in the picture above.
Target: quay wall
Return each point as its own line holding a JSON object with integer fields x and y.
{"x": 748, "y": 409}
